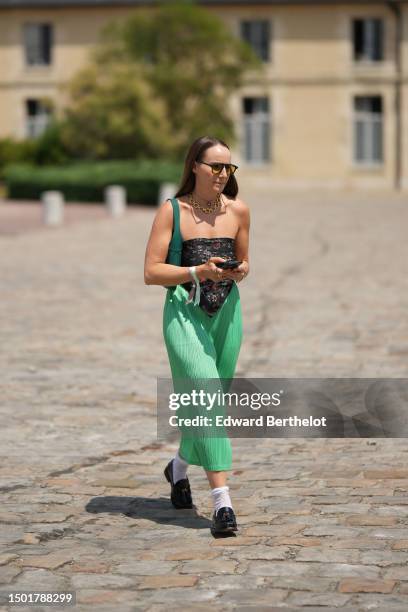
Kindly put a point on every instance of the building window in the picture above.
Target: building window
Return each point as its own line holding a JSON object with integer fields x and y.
{"x": 368, "y": 129}
{"x": 37, "y": 118}
{"x": 38, "y": 44}
{"x": 368, "y": 40}
{"x": 257, "y": 34}
{"x": 256, "y": 130}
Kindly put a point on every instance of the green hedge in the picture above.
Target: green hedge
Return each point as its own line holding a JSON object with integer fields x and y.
{"x": 16, "y": 152}
{"x": 86, "y": 181}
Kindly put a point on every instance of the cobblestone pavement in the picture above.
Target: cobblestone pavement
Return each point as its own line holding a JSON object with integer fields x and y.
{"x": 85, "y": 507}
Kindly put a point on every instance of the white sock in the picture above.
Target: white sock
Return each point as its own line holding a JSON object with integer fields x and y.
{"x": 179, "y": 468}
{"x": 221, "y": 498}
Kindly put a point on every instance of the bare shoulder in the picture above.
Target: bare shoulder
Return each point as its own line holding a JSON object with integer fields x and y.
{"x": 239, "y": 207}
{"x": 165, "y": 207}
{"x": 165, "y": 210}
{"x": 163, "y": 220}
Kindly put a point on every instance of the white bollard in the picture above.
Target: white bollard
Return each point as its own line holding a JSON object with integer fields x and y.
{"x": 53, "y": 207}
{"x": 167, "y": 190}
{"x": 115, "y": 200}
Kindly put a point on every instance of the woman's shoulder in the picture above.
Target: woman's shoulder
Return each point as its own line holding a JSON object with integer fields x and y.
{"x": 165, "y": 209}
{"x": 164, "y": 215}
{"x": 237, "y": 205}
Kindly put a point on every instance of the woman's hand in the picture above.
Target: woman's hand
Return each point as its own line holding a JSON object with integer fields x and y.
{"x": 237, "y": 274}
{"x": 209, "y": 270}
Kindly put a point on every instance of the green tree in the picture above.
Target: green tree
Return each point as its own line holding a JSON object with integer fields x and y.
{"x": 156, "y": 82}
{"x": 114, "y": 114}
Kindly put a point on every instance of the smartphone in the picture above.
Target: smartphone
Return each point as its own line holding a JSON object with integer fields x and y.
{"x": 230, "y": 264}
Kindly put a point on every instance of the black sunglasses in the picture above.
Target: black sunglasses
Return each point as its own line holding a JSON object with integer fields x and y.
{"x": 217, "y": 167}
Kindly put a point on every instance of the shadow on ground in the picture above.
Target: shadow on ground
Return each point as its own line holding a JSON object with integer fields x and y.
{"x": 158, "y": 510}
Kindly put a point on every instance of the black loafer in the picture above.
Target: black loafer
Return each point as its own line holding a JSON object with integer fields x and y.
{"x": 224, "y": 521}
{"x": 180, "y": 491}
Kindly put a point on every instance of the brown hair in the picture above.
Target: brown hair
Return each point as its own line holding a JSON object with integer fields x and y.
{"x": 195, "y": 154}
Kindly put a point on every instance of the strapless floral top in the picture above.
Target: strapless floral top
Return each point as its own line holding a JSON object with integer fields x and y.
{"x": 197, "y": 251}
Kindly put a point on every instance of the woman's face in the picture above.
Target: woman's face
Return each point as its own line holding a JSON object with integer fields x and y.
{"x": 205, "y": 179}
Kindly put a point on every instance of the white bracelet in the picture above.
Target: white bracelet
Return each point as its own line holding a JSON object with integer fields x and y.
{"x": 195, "y": 291}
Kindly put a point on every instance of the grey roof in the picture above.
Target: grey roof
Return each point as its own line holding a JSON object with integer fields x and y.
{"x": 87, "y": 3}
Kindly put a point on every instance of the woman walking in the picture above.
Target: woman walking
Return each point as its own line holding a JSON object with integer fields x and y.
{"x": 202, "y": 324}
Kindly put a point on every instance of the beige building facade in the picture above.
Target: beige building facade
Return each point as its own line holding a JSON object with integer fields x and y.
{"x": 331, "y": 109}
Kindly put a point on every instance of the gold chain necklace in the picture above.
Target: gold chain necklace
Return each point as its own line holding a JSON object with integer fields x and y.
{"x": 215, "y": 204}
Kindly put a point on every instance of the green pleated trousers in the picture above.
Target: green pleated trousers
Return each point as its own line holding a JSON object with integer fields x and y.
{"x": 203, "y": 347}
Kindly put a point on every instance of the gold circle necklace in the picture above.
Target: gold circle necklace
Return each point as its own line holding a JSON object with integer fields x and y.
{"x": 214, "y": 205}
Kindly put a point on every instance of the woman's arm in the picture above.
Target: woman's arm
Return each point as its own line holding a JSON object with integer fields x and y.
{"x": 241, "y": 242}
{"x": 156, "y": 271}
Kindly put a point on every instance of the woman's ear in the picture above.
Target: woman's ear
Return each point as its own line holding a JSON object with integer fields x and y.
{"x": 194, "y": 168}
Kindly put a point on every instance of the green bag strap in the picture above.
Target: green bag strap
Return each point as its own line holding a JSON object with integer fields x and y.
{"x": 176, "y": 237}
{"x": 176, "y": 243}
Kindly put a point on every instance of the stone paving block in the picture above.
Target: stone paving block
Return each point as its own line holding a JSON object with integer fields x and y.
{"x": 357, "y": 585}
{"x": 384, "y": 558}
{"x": 370, "y": 519}
{"x": 227, "y": 582}
{"x": 254, "y": 597}
{"x": 6, "y": 558}
{"x": 385, "y": 474}
{"x": 359, "y": 543}
{"x": 273, "y": 530}
{"x": 89, "y": 566}
{"x": 8, "y": 573}
{"x": 51, "y": 561}
{"x": 246, "y": 517}
{"x": 400, "y": 545}
{"x": 295, "y": 541}
{"x": 397, "y": 572}
{"x": 388, "y": 533}
{"x": 331, "y": 530}
{"x": 373, "y": 601}
{"x": 301, "y": 583}
{"x": 102, "y": 581}
{"x": 232, "y": 542}
{"x": 145, "y": 568}
{"x": 11, "y": 518}
{"x": 283, "y": 506}
{"x": 402, "y": 588}
{"x": 375, "y": 493}
{"x": 182, "y": 596}
{"x": 344, "y": 508}
{"x": 192, "y": 554}
{"x": 279, "y": 568}
{"x": 339, "y": 570}
{"x": 351, "y": 483}
{"x": 40, "y": 579}
{"x": 211, "y": 566}
{"x": 165, "y": 582}
{"x": 272, "y": 553}
{"x": 99, "y": 597}
{"x": 330, "y": 556}
{"x": 11, "y": 536}
{"x": 306, "y": 599}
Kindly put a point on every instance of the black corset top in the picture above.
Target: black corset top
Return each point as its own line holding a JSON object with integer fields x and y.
{"x": 197, "y": 251}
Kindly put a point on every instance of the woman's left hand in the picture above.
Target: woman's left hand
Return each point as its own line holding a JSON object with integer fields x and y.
{"x": 237, "y": 274}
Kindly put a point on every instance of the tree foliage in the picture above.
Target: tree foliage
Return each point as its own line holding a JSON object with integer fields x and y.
{"x": 156, "y": 82}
